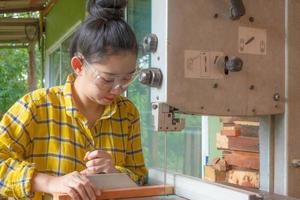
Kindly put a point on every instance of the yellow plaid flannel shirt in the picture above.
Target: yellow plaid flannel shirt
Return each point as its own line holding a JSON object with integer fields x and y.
{"x": 44, "y": 132}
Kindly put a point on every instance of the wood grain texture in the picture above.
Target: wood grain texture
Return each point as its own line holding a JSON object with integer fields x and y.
{"x": 231, "y": 131}
{"x": 213, "y": 175}
{"x": 244, "y": 178}
{"x": 144, "y": 191}
{"x": 241, "y": 143}
{"x": 242, "y": 159}
{"x": 293, "y": 114}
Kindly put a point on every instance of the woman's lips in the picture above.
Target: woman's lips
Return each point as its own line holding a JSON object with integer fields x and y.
{"x": 108, "y": 98}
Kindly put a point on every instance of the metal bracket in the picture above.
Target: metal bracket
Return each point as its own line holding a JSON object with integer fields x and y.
{"x": 164, "y": 118}
{"x": 237, "y": 9}
{"x": 296, "y": 163}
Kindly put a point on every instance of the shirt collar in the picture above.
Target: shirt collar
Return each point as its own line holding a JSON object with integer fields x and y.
{"x": 71, "y": 110}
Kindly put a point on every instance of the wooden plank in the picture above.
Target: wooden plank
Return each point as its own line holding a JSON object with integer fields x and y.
{"x": 231, "y": 131}
{"x": 19, "y": 21}
{"x": 49, "y": 7}
{"x": 32, "y": 78}
{"x": 249, "y": 131}
{"x": 213, "y": 175}
{"x": 20, "y": 6}
{"x": 33, "y": 2}
{"x": 290, "y": 124}
{"x": 144, "y": 191}
{"x": 222, "y": 142}
{"x": 243, "y": 178}
{"x": 219, "y": 164}
{"x": 233, "y": 119}
{"x": 242, "y": 159}
{"x": 249, "y": 123}
{"x": 27, "y": 9}
{"x": 241, "y": 143}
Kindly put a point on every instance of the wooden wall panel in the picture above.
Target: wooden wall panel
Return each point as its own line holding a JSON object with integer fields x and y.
{"x": 293, "y": 112}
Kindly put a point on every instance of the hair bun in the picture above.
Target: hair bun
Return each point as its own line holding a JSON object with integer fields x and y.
{"x": 107, "y": 9}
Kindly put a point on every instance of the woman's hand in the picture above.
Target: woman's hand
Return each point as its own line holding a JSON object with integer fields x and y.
{"x": 98, "y": 161}
{"x": 76, "y": 185}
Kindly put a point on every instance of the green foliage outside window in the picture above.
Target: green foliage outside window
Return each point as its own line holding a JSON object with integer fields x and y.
{"x": 13, "y": 69}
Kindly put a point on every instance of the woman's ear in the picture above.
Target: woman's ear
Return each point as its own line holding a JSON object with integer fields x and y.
{"x": 76, "y": 64}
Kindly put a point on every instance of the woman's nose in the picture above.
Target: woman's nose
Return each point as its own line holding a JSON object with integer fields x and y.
{"x": 117, "y": 90}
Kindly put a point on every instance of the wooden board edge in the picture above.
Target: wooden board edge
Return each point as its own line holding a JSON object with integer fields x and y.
{"x": 144, "y": 191}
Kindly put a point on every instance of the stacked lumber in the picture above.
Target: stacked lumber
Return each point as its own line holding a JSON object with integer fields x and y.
{"x": 239, "y": 142}
{"x": 216, "y": 170}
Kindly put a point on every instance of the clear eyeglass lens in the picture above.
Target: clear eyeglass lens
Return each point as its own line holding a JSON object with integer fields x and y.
{"x": 114, "y": 82}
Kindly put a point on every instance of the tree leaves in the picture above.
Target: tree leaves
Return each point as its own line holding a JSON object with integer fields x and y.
{"x": 13, "y": 70}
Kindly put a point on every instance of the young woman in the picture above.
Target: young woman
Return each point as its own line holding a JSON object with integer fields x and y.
{"x": 52, "y": 138}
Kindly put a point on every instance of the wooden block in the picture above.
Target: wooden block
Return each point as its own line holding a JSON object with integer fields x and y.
{"x": 249, "y": 131}
{"x": 248, "y": 123}
{"x": 222, "y": 141}
{"x": 242, "y": 159}
{"x": 231, "y": 131}
{"x": 213, "y": 175}
{"x": 228, "y": 120}
{"x": 219, "y": 164}
{"x": 241, "y": 143}
{"x": 243, "y": 178}
{"x": 144, "y": 191}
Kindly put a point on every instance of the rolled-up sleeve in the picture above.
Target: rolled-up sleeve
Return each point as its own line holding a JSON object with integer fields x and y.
{"x": 15, "y": 172}
{"x": 135, "y": 165}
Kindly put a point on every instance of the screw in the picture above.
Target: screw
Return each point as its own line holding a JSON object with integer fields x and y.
{"x": 158, "y": 58}
{"x": 154, "y": 107}
{"x": 276, "y": 97}
{"x": 157, "y": 97}
{"x": 202, "y": 107}
{"x": 251, "y": 19}
{"x": 228, "y": 110}
{"x": 251, "y": 87}
{"x": 215, "y": 85}
{"x": 253, "y": 110}
{"x": 216, "y": 15}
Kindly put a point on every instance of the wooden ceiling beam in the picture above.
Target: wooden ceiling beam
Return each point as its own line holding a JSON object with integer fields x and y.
{"x": 15, "y": 10}
{"x": 21, "y": 37}
{"x": 13, "y": 37}
{"x": 18, "y": 22}
{"x": 13, "y": 28}
{"x": 49, "y": 7}
{"x": 32, "y": 2}
{"x": 11, "y": 33}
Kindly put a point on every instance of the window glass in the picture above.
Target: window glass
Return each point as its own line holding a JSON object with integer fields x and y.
{"x": 183, "y": 149}
{"x": 65, "y": 55}
{"x": 59, "y": 63}
{"x": 54, "y": 68}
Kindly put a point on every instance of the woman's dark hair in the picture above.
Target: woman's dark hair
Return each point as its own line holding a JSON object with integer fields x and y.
{"x": 104, "y": 32}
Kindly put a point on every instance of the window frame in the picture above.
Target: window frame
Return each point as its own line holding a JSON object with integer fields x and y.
{"x": 53, "y": 48}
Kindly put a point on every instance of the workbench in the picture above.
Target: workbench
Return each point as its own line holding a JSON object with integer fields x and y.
{"x": 181, "y": 187}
